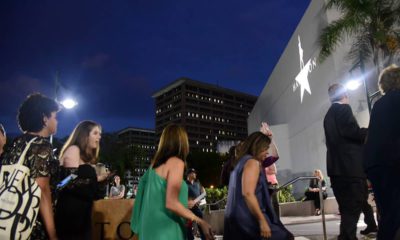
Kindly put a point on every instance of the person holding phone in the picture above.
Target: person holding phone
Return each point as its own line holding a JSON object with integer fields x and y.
{"x": 74, "y": 206}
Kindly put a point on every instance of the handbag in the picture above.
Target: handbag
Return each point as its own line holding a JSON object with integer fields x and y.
{"x": 19, "y": 199}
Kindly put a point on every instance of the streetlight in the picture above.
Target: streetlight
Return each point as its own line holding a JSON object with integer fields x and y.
{"x": 67, "y": 103}
{"x": 354, "y": 84}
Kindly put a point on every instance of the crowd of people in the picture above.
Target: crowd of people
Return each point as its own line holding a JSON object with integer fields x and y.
{"x": 165, "y": 202}
{"x": 64, "y": 213}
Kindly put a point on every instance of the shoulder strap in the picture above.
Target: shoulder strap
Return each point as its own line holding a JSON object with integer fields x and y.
{"x": 22, "y": 157}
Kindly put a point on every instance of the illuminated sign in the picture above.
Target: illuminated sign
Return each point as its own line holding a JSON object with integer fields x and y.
{"x": 302, "y": 77}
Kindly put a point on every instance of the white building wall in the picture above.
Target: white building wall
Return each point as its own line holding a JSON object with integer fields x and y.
{"x": 298, "y": 124}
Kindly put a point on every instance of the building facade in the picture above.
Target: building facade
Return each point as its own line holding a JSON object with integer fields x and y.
{"x": 208, "y": 112}
{"x": 295, "y": 98}
{"x": 140, "y": 148}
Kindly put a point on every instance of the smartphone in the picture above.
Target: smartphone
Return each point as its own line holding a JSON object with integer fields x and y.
{"x": 66, "y": 180}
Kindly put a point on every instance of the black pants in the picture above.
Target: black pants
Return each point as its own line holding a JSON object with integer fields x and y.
{"x": 315, "y": 197}
{"x": 387, "y": 194}
{"x": 196, "y": 211}
{"x": 369, "y": 218}
{"x": 351, "y": 194}
{"x": 274, "y": 198}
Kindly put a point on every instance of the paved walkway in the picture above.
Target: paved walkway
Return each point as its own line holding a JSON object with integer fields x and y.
{"x": 310, "y": 227}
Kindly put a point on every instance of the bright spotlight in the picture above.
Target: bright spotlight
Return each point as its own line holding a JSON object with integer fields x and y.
{"x": 353, "y": 84}
{"x": 68, "y": 103}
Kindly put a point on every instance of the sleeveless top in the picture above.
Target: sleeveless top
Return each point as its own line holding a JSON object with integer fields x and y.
{"x": 239, "y": 223}
{"x": 150, "y": 218}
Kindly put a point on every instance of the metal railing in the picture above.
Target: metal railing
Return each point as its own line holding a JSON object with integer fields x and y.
{"x": 321, "y": 199}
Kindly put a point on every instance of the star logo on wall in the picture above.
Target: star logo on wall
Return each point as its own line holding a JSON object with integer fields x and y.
{"x": 302, "y": 80}
{"x": 302, "y": 76}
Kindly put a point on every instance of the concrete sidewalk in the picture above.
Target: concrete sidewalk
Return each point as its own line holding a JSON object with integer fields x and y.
{"x": 310, "y": 227}
{"x": 308, "y": 219}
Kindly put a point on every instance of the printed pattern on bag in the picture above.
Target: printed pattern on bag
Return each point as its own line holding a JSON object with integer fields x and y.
{"x": 19, "y": 202}
{"x": 19, "y": 197}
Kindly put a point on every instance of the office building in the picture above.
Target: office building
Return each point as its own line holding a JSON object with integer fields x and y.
{"x": 209, "y": 113}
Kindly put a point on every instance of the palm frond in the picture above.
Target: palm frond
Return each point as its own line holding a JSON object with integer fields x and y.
{"x": 335, "y": 33}
{"x": 350, "y": 6}
{"x": 360, "y": 50}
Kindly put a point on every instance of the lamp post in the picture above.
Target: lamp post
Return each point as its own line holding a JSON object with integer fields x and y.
{"x": 67, "y": 103}
{"x": 354, "y": 84}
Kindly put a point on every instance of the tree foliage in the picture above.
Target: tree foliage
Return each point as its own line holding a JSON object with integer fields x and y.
{"x": 373, "y": 26}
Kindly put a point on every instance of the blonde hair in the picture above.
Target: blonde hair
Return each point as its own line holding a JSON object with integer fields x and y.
{"x": 389, "y": 79}
{"x": 319, "y": 174}
{"x": 80, "y": 137}
{"x": 174, "y": 142}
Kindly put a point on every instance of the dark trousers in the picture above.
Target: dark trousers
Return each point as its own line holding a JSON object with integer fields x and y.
{"x": 274, "y": 198}
{"x": 350, "y": 194}
{"x": 315, "y": 197}
{"x": 196, "y": 211}
{"x": 369, "y": 218}
{"x": 387, "y": 194}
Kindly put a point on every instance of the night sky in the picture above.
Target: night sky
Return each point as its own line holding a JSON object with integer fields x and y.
{"x": 113, "y": 55}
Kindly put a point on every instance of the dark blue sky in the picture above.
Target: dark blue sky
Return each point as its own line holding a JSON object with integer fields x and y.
{"x": 114, "y": 54}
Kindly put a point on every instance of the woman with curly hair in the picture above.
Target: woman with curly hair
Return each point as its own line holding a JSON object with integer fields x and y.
{"x": 37, "y": 119}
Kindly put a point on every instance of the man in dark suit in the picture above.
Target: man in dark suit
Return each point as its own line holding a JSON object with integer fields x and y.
{"x": 344, "y": 142}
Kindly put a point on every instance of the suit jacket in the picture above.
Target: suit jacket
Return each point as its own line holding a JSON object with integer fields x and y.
{"x": 344, "y": 142}
{"x": 383, "y": 143}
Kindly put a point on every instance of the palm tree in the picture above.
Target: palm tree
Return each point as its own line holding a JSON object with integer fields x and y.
{"x": 373, "y": 26}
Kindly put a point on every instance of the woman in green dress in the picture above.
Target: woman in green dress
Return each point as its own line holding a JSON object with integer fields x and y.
{"x": 160, "y": 210}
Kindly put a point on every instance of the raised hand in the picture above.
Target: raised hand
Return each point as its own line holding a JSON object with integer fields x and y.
{"x": 265, "y": 129}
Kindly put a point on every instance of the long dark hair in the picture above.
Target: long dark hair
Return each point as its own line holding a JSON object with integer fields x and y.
{"x": 80, "y": 137}
{"x": 173, "y": 143}
{"x": 252, "y": 145}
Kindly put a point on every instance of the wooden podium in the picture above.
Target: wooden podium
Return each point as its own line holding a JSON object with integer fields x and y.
{"x": 111, "y": 219}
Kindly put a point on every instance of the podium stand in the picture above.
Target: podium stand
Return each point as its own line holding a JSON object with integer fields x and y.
{"x": 111, "y": 219}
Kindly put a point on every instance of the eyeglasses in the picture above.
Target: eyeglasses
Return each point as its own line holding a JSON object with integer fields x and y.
{"x": 2, "y": 130}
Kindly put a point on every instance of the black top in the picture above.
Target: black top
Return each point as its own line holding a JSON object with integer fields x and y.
{"x": 383, "y": 143}
{"x": 344, "y": 142}
{"x": 74, "y": 205}
{"x": 314, "y": 184}
{"x": 41, "y": 163}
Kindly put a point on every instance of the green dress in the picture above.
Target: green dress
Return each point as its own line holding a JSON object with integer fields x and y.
{"x": 150, "y": 219}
